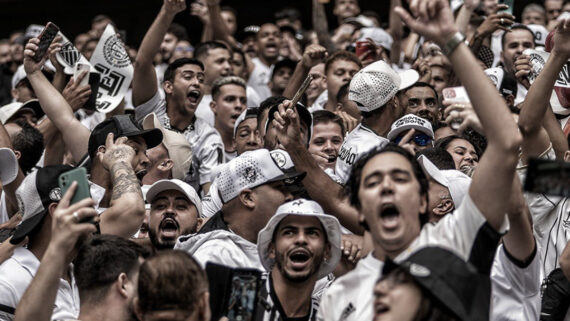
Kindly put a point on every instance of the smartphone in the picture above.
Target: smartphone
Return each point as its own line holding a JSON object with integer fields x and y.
{"x": 78, "y": 175}
{"x": 79, "y": 68}
{"x": 94, "y": 81}
{"x": 456, "y": 95}
{"x": 46, "y": 37}
{"x": 233, "y": 292}
{"x": 548, "y": 177}
{"x": 509, "y": 3}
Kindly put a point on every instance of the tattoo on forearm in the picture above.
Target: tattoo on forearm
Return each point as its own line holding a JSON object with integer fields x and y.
{"x": 124, "y": 181}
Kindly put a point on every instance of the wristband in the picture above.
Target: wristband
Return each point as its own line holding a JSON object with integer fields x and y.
{"x": 452, "y": 43}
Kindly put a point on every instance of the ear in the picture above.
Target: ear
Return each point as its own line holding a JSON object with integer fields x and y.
{"x": 213, "y": 106}
{"x": 444, "y": 207}
{"x": 338, "y": 106}
{"x": 122, "y": 285}
{"x": 15, "y": 93}
{"x": 204, "y": 307}
{"x": 270, "y": 84}
{"x": 327, "y": 254}
{"x": 199, "y": 222}
{"x": 17, "y": 153}
{"x": 51, "y": 208}
{"x": 167, "y": 87}
{"x": 567, "y": 156}
{"x": 166, "y": 165}
{"x": 248, "y": 198}
{"x": 510, "y": 100}
{"x": 272, "y": 251}
{"x": 424, "y": 204}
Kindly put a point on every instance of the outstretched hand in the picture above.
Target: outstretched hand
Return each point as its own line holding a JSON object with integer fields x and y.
{"x": 562, "y": 36}
{"x": 432, "y": 19}
{"x": 30, "y": 65}
{"x": 286, "y": 122}
{"x": 174, "y": 6}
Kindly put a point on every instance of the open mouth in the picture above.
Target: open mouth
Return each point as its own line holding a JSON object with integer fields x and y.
{"x": 389, "y": 215}
{"x": 380, "y": 308}
{"x": 235, "y": 116}
{"x": 271, "y": 46}
{"x": 193, "y": 96}
{"x": 299, "y": 258}
{"x": 169, "y": 228}
{"x": 140, "y": 174}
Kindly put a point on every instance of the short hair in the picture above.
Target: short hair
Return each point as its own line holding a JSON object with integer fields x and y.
{"x": 325, "y": 116}
{"x": 516, "y": 26}
{"x": 444, "y": 142}
{"x": 343, "y": 91}
{"x": 266, "y": 105}
{"x": 171, "y": 69}
{"x": 353, "y": 184}
{"x": 229, "y": 80}
{"x": 420, "y": 84}
{"x": 533, "y": 7}
{"x": 439, "y": 157}
{"x": 342, "y": 55}
{"x": 101, "y": 260}
{"x": 202, "y": 49}
{"x": 171, "y": 280}
{"x": 30, "y": 143}
{"x": 241, "y": 53}
{"x": 178, "y": 31}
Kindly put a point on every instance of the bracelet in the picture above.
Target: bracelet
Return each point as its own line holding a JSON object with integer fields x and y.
{"x": 452, "y": 43}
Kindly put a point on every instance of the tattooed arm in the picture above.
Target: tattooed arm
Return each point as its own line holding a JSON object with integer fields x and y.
{"x": 126, "y": 212}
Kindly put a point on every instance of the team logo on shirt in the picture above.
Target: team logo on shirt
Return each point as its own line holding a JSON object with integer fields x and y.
{"x": 347, "y": 311}
{"x": 347, "y": 155}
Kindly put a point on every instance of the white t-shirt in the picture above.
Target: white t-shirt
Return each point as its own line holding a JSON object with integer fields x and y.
{"x": 515, "y": 290}
{"x": 320, "y": 102}
{"x": 259, "y": 79}
{"x": 17, "y": 273}
{"x": 206, "y": 143}
{"x": 350, "y": 297}
{"x": 3, "y": 209}
{"x": 359, "y": 141}
{"x": 204, "y": 111}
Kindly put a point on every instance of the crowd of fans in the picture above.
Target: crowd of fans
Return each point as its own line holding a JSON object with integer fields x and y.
{"x": 389, "y": 188}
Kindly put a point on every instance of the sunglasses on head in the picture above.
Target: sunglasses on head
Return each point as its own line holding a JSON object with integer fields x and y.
{"x": 420, "y": 139}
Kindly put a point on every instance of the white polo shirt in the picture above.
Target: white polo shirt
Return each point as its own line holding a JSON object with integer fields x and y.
{"x": 259, "y": 79}
{"x": 17, "y": 273}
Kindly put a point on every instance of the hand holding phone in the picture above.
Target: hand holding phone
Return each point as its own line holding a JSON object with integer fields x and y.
{"x": 46, "y": 37}
{"x": 78, "y": 175}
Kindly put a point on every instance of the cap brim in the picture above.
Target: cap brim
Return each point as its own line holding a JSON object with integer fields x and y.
{"x": 396, "y": 132}
{"x": 408, "y": 78}
{"x": 289, "y": 177}
{"x": 25, "y": 227}
{"x": 152, "y": 137}
{"x": 8, "y": 166}
{"x": 34, "y": 105}
{"x": 432, "y": 171}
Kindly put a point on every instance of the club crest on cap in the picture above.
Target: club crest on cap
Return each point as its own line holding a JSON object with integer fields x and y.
{"x": 298, "y": 202}
{"x": 419, "y": 270}
{"x": 250, "y": 174}
{"x": 55, "y": 194}
{"x": 279, "y": 158}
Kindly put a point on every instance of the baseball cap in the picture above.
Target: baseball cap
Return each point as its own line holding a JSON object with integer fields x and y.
{"x": 254, "y": 168}
{"x": 360, "y": 21}
{"x": 304, "y": 115}
{"x": 250, "y": 112}
{"x": 302, "y": 207}
{"x": 9, "y": 110}
{"x": 176, "y": 185}
{"x": 8, "y": 166}
{"x": 410, "y": 122}
{"x": 37, "y": 191}
{"x": 18, "y": 76}
{"x": 505, "y": 83}
{"x": 378, "y": 35}
{"x": 179, "y": 149}
{"x": 540, "y": 32}
{"x": 122, "y": 125}
{"x": 283, "y": 63}
{"x": 373, "y": 86}
{"x": 452, "y": 282}
{"x": 249, "y": 31}
{"x": 455, "y": 181}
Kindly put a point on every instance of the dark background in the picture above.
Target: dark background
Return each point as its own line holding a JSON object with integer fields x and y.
{"x": 135, "y": 16}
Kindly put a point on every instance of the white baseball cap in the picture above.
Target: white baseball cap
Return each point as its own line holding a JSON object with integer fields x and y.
{"x": 373, "y": 86}
{"x": 250, "y": 112}
{"x": 540, "y": 32}
{"x": 254, "y": 168}
{"x": 302, "y": 207}
{"x": 9, "y": 110}
{"x": 176, "y": 185}
{"x": 179, "y": 149}
{"x": 8, "y": 166}
{"x": 378, "y": 35}
{"x": 455, "y": 181}
{"x": 410, "y": 122}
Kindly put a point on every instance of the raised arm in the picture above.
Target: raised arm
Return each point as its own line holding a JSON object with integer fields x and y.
{"x": 519, "y": 240}
{"x": 126, "y": 213}
{"x": 321, "y": 26}
{"x": 54, "y": 105}
{"x": 219, "y": 29}
{"x": 535, "y": 108}
{"x": 144, "y": 78}
{"x": 38, "y": 300}
{"x": 396, "y": 30}
{"x": 492, "y": 180}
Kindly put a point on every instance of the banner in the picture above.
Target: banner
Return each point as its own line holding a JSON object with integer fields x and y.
{"x": 560, "y": 98}
{"x": 68, "y": 56}
{"x": 112, "y": 61}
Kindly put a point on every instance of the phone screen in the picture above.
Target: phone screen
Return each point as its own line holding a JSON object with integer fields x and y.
{"x": 243, "y": 296}
{"x": 46, "y": 37}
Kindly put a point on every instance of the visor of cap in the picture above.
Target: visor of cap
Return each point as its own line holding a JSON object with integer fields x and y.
{"x": 8, "y": 166}
{"x": 176, "y": 185}
{"x": 432, "y": 171}
{"x": 27, "y": 226}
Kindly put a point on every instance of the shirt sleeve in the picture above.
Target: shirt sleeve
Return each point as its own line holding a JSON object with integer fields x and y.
{"x": 148, "y": 107}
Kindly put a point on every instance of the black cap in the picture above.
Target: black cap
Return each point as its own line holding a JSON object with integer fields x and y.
{"x": 283, "y": 63}
{"x": 38, "y": 190}
{"x": 122, "y": 125}
{"x": 450, "y": 281}
{"x": 249, "y": 31}
{"x": 304, "y": 115}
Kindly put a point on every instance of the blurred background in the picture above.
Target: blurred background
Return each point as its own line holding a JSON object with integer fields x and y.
{"x": 135, "y": 16}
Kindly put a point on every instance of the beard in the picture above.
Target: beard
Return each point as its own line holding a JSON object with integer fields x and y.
{"x": 298, "y": 278}
{"x": 160, "y": 245}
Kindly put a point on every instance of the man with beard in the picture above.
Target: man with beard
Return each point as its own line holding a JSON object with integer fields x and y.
{"x": 182, "y": 85}
{"x": 514, "y": 42}
{"x": 175, "y": 209}
{"x": 299, "y": 246}
{"x": 421, "y": 99}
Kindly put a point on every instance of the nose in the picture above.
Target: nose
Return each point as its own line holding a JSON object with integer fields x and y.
{"x": 301, "y": 238}
{"x": 328, "y": 147}
{"x": 387, "y": 186}
{"x": 144, "y": 161}
{"x": 381, "y": 289}
{"x": 468, "y": 159}
{"x": 253, "y": 139}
